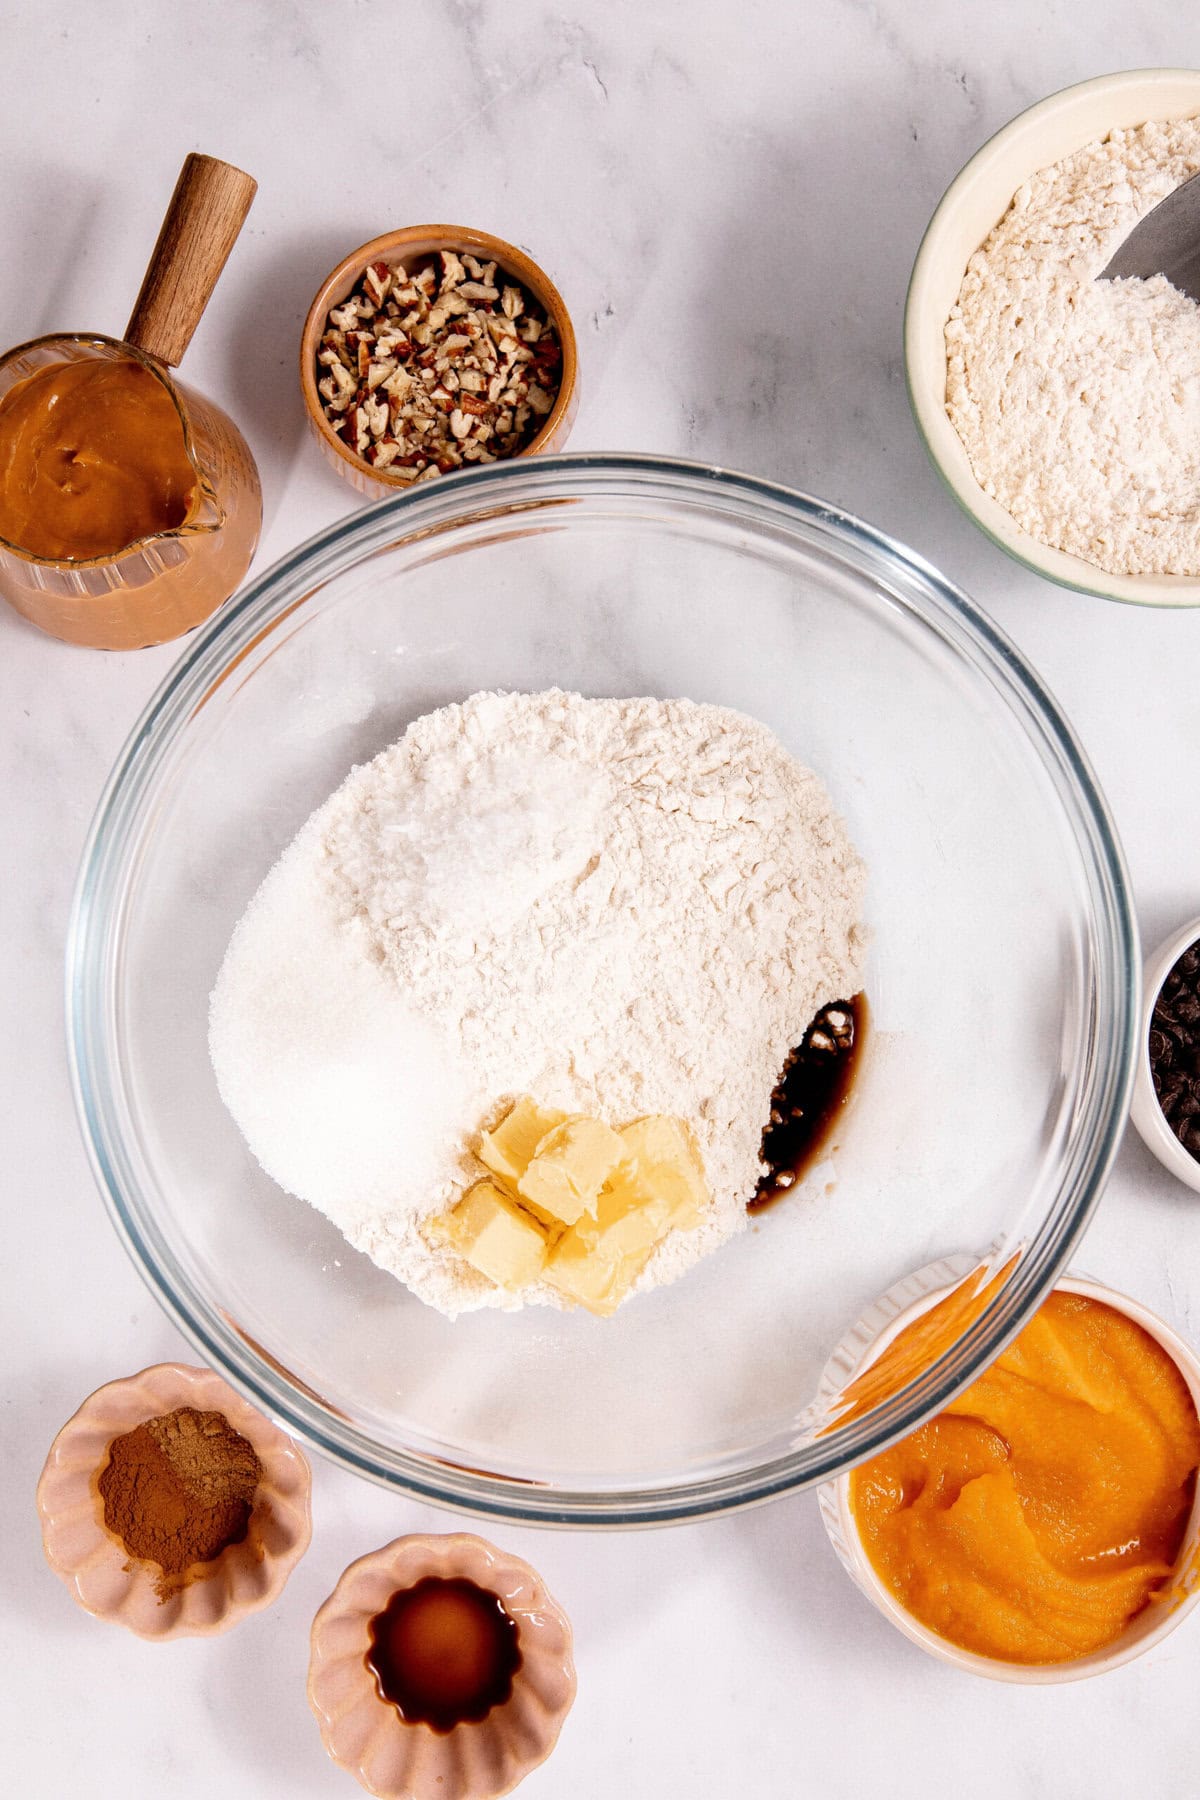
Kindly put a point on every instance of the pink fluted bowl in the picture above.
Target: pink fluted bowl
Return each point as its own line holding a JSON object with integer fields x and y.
{"x": 366, "y": 1735}
{"x": 93, "y": 1561}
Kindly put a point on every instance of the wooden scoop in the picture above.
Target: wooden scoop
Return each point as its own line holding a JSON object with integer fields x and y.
{"x": 207, "y": 211}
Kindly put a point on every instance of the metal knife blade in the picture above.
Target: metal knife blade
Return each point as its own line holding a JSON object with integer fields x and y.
{"x": 1166, "y": 242}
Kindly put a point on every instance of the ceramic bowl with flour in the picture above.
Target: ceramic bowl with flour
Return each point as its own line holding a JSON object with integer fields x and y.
{"x": 1097, "y": 467}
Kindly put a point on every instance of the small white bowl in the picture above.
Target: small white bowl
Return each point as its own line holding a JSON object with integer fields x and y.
{"x": 1144, "y": 1110}
{"x": 1166, "y": 1610}
{"x": 973, "y": 204}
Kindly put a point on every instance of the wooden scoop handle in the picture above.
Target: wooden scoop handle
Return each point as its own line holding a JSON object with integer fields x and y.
{"x": 207, "y": 210}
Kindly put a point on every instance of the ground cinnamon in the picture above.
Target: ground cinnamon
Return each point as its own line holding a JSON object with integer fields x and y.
{"x": 178, "y": 1489}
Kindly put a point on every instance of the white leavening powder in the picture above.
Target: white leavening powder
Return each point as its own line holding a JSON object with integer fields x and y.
{"x": 620, "y": 907}
{"x": 1077, "y": 400}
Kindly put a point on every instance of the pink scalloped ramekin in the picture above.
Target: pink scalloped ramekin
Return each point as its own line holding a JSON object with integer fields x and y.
{"x": 93, "y": 1561}
{"x": 366, "y": 1736}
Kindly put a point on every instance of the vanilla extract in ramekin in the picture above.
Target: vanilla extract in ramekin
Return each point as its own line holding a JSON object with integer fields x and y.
{"x": 440, "y": 1664}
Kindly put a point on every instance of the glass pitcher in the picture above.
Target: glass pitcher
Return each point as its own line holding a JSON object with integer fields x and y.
{"x": 163, "y": 584}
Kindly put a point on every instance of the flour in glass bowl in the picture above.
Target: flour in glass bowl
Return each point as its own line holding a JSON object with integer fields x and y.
{"x": 621, "y": 907}
{"x": 1078, "y": 400}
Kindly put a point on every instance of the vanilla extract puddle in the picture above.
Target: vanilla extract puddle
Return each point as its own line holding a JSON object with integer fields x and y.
{"x": 444, "y": 1652}
{"x": 813, "y": 1088}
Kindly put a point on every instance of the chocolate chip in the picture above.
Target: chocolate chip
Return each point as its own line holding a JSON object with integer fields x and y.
{"x": 1173, "y": 1044}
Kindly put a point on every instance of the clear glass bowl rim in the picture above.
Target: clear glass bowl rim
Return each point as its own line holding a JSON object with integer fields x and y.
{"x": 438, "y": 507}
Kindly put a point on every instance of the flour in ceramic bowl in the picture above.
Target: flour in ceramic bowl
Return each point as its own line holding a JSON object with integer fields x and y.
{"x": 1078, "y": 400}
{"x": 621, "y": 907}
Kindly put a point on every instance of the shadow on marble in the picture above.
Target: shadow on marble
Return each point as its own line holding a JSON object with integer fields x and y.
{"x": 254, "y": 1688}
{"x": 58, "y": 230}
{"x": 796, "y": 1589}
{"x": 263, "y": 343}
{"x": 799, "y": 352}
{"x": 1145, "y": 1177}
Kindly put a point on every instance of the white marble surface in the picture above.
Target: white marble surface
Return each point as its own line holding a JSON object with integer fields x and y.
{"x": 730, "y": 197}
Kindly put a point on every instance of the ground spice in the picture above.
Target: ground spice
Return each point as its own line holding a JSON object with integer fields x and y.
{"x": 178, "y": 1489}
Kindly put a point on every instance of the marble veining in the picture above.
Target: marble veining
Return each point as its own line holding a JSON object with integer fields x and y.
{"x": 730, "y": 198}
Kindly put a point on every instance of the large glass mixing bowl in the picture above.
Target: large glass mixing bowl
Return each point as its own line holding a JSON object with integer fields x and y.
{"x": 1002, "y": 980}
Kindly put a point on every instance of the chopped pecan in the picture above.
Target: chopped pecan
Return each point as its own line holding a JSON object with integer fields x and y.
{"x": 425, "y": 370}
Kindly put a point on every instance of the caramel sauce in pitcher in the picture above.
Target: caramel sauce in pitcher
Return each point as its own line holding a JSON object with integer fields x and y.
{"x": 92, "y": 459}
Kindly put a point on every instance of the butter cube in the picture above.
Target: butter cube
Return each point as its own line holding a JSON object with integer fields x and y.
{"x": 663, "y": 1165}
{"x": 571, "y": 1164}
{"x": 592, "y": 1280}
{"x": 626, "y": 1223}
{"x": 599, "y": 1259}
{"x": 508, "y": 1150}
{"x": 496, "y": 1237}
{"x": 576, "y": 1204}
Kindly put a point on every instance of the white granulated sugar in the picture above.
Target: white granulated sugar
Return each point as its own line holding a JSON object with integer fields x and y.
{"x": 345, "y": 1094}
{"x": 1077, "y": 400}
{"x": 620, "y": 907}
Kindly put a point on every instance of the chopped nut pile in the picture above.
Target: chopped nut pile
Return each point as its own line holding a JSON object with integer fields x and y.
{"x": 426, "y": 372}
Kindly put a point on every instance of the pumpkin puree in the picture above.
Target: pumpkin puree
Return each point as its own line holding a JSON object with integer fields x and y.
{"x": 1040, "y": 1512}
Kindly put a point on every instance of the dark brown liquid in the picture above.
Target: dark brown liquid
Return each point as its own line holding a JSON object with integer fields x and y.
{"x": 811, "y": 1091}
{"x": 444, "y": 1652}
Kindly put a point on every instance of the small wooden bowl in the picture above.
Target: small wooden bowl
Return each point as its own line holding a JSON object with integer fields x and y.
{"x": 367, "y": 1737}
{"x": 102, "y": 1576}
{"x": 410, "y": 245}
